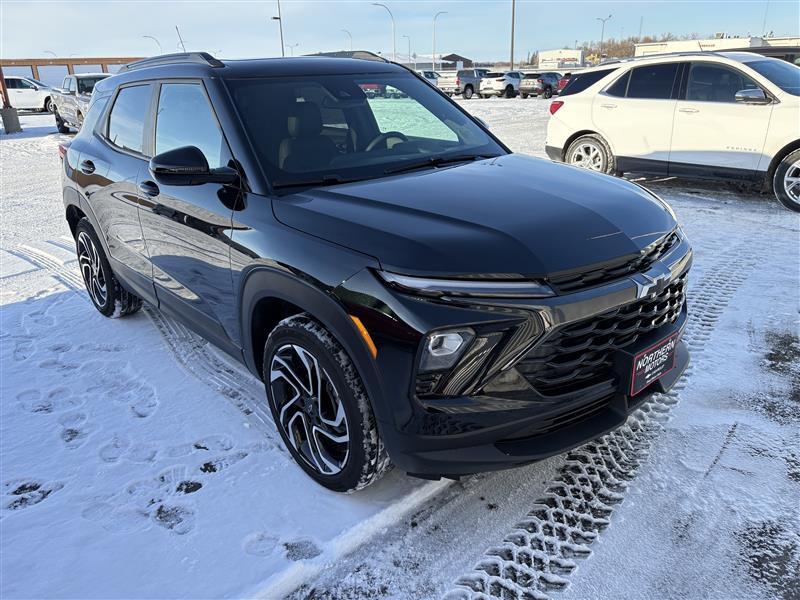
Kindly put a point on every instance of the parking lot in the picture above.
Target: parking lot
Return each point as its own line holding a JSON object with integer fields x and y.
{"x": 121, "y": 478}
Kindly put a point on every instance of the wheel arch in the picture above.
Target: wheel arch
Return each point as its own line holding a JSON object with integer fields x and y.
{"x": 776, "y": 160}
{"x": 578, "y": 134}
{"x": 74, "y": 214}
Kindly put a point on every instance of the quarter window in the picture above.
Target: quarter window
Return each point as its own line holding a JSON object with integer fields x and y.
{"x": 652, "y": 81}
{"x": 620, "y": 86}
{"x": 185, "y": 118}
{"x": 126, "y": 122}
{"x": 715, "y": 83}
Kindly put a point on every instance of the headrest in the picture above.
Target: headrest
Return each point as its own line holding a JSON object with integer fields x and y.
{"x": 304, "y": 120}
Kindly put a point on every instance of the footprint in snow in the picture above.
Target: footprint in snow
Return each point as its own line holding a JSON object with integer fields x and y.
{"x": 213, "y": 443}
{"x": 177, "y": 519}
{"x": 301, "y": 550}
{"x": 56, "y": 400}
{"x": 223, "y": 462}
{"x": 74, "y": 433}
{"x": 22, "y": 493}
{"x": 260, "y": 544}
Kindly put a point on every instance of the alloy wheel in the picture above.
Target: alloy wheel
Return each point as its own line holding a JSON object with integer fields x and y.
{"x": 91, "y": 269}
{"x": 589, "y": 156}
{"x": 310, "y": 410}
{"x": 791, "y": 182}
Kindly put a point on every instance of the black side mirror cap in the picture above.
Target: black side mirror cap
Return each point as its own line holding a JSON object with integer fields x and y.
{"x": 187, "y": 165}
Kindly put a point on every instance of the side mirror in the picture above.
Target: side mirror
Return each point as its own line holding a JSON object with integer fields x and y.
{"x": 188, "y": 166}
{"x": 752, "y": 96}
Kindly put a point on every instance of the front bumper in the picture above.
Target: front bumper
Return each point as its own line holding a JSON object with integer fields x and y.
{"x": 501, "y": 424}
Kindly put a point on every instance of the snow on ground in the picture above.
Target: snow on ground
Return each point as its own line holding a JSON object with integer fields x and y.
{"x": 137, "y": 461}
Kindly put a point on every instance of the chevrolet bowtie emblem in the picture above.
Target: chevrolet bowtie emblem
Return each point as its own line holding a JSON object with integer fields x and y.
{"x": 654, "y": 281}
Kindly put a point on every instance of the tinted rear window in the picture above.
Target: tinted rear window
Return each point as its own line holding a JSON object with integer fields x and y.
{"x": 126, "y": 122}
{"x": 581, "y": 81}
{"x": 652, "y": 81}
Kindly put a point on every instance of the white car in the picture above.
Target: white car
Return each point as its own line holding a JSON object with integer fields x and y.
{"x": 431, "y": 76}
{"x": 707, "y": 115}
{"x": 501, "y": 84}
{"x": 26, "y": 93}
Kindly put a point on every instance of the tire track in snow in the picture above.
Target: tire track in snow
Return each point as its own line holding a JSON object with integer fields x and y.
{"x": 539, "y": 553}
{"x": 196, "y": 355}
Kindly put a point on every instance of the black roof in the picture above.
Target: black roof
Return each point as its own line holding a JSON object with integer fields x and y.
{"x": 201, "y": 64}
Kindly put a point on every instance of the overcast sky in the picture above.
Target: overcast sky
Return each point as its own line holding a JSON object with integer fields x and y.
{"x": 476, "y": 29}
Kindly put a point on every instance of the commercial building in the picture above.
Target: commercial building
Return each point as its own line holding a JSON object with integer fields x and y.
{"x": 562, "y": 58}
{"x": 787, "y": 48}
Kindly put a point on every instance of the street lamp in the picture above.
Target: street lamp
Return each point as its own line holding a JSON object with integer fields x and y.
{"x": 513, "y": 18}
{"x": 350, "y": 35}
{"x": 408, "y": 37}
{"x": 394, "y": 39}
{"x": 150, "y": 37}
{"x": 292, "y": 47}
{"x": 279, "y": 19}
{"x": 602, "y": 33}
{"x": 433, "y": 58}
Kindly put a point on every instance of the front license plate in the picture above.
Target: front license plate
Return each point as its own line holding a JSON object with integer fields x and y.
{"x": 653, "y": 363}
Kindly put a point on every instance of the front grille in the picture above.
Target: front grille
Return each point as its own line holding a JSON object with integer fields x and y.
{"x": 581, "y": 354}
{"x": 572, "y": 282}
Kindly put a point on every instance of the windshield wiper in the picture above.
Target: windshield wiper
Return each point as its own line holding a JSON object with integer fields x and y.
{"x": 324, "y": 180}
{"x": 436, "y": 161}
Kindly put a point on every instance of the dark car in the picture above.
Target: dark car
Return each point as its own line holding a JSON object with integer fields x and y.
{"x": 562, "y": 83}
{"x": 539, "y": 84}
{"x": 320, "y": 243}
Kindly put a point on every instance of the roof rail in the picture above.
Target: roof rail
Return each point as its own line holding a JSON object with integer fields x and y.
{"x": 360, "y": 54}
{"x": 203, "y": 58}
{"x": 662, "y": 55}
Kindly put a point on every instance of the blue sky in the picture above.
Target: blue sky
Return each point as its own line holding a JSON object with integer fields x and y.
{"x": 476, "y": 29}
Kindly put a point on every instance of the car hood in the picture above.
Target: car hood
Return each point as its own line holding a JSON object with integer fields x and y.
{"x": 509, "y": 215}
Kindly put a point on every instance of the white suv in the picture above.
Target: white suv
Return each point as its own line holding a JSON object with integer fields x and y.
{"x": 26, "y": 93}
{"x": 500, "y": 84}
{"x": 707, "y": 115}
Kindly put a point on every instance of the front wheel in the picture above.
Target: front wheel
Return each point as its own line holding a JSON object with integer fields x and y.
{"x": 591, "y": 152}
{"x": 320, "y": 406}
{"x": 786, "y": 183}
{"x": 510, "y": 92}
{"x": 48, "y": 105}
{"x": 105, "y": 291}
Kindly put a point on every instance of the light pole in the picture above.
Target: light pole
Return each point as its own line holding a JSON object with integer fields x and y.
{"x": 513, "y": 18}
{"x": 433, "y": 58}
{"x": 408, "y": 37}
{"x": 279, "y": 19}
{"x": 350, "y": 35}
{"x": 292, "y": 47}
{"x": 150, "y": 37}
{"x": 394, "y": 39}
{"x": 602, "y": 34}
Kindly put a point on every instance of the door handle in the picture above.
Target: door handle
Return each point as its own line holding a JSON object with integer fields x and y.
{"x": 609, "y": 105}
{"x": 87, "y": 167}
{"x": 688, "y": 110}
{"x": 149, "y": 188}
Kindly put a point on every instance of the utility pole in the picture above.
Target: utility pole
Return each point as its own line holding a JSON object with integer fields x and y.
{"x": 641, "y": 22}
{"x": 180, "y": 39}
{"x": 279, "y": 19}
{"x": 602, "y": 34}
{"x": 350, "y": 35}
{"x": 292, "y": 47}
{"x": 764, "y": 25}
{"x": 394, "y": 38}
{"x": 433, "y": 57}
{"x": 408, "y": 37}
{"x": 513, "y": 17}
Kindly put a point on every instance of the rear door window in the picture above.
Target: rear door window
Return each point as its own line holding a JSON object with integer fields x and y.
{"x": 127, "y": 118}
{"x": 582, "y": 81}
{"x": 653, "y": 82}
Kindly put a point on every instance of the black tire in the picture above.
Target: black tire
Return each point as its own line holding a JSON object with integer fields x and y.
{"x": 60, "y": 124}
{"x": 548, "y": 93}
{"x": 510, "y": 92}
{"x": 524, "y": 95}
{"x": 80, "y": 120}
{"x": 607, "y": 164}
{"x": 365, "y": 459}
{"x": 468, "y": 92}
{"x": 111, "y": 300}
{"x": 786, "y": 182}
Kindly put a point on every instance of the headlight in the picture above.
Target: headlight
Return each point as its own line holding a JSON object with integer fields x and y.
{"x": 486, "y": 288}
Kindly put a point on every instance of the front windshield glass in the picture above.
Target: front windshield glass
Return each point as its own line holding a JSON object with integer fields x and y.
{"x": 350, "y": 127}
{"x": 783, "y": 74}
{"x": 86, "y": 84}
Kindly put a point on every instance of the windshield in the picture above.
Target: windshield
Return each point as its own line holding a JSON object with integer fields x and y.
{"x": 783, "y": 74}
{"x": 350, "y": 127}
{"x": 86, "y": 84}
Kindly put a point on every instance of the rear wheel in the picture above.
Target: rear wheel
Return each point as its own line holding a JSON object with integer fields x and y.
{"x": 509, "y": 91}
{"x": 320, "y": 406}
{"x": 786, "y": 182}
{"x": 468, "y": 92}
{"x": 524, "y": 95}
{"x": 60, "y": 124}
{"x": 548, "y": 92}
{"x": 591, "y": 152}
{"x": 105, "y": 291}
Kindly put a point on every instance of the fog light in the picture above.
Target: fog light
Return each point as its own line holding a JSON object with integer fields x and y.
{"x": 443, "y": 348}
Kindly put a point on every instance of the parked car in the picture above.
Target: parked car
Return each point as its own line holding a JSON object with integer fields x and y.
{"x": 431, "y": 76}
{"x": 27, "y": 93}
{"x": 562, "y": 83}
{"x": 539, "y": 84}
{"x": 504, "y": 84}
{"x": 466, "y": 82}
{"x": 709, "y": 115}
{"x": 391, "y": 320}
{"x": 71, "y": 102}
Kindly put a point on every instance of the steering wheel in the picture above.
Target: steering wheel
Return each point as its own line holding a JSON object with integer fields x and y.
{"x": 384, "y": 137}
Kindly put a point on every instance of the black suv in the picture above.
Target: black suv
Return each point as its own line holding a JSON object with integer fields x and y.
{"x": 315, "y": 235}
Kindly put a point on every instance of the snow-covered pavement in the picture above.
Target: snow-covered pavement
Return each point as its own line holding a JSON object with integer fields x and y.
{"x": 138, "y": 461}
